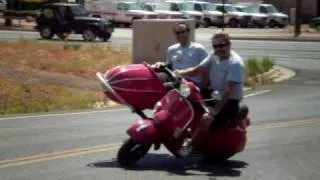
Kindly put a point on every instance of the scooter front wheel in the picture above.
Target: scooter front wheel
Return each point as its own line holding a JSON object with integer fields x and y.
{"x": 131, "y": 152}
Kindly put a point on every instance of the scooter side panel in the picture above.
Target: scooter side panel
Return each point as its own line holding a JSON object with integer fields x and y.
{"x": 173, "y": 116}
{"x": 231, "y": 140}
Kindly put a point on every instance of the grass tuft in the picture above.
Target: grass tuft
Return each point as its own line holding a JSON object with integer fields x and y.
{"x": 255, "y": 69}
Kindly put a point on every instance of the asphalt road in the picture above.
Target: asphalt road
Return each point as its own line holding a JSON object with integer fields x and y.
{"x": 283, "y": 142}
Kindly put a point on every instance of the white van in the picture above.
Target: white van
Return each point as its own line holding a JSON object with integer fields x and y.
{"x": 234, "y": 18}
{"x": 162, "y": 9}
{"x": 275, "y": 17}
{"x": 187, "y": 11}
{"x": 257, "y": 19}
{"x": 211, "y": 17}
{"x": 3, "y": 5}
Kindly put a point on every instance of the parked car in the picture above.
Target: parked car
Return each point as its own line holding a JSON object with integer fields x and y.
{"x": 315, "y": 23}
{"x": 119, "y": 12}
{"x": 232, "y": 17}
{"x": 3, "y": 5}
{"x": 275, "y": 17}
{"x": 188, "y": 12}
{"x": 162, "y": 9}
{"x": 257, "y": 19}
{"x": 63, "y": 19}
{"x": 211, "y": 17}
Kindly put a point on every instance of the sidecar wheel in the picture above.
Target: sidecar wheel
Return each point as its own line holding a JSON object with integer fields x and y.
{"x": 131, "y": 152}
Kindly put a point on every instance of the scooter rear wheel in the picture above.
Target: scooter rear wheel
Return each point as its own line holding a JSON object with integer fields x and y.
{"x": 131, "y": 152}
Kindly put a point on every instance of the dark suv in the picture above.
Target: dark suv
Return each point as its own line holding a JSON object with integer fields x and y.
{"x": 63, "y": 19}
{"x": 315, "y": 23}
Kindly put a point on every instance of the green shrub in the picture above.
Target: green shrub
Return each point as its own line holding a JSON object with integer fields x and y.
{"x": 255, "y": 68}
{"x": 267, "y": 63}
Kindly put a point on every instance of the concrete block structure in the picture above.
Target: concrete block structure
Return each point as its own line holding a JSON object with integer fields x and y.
{"x": 152, "y": 37}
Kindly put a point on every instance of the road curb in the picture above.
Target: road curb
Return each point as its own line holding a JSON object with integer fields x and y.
{"x": 251, "y": 37}
{"x": 283, "y": 74}
{"x": 295, "y": 39}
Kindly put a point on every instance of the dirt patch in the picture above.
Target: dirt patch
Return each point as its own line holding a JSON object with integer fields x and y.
{"x": 38, "y": 76}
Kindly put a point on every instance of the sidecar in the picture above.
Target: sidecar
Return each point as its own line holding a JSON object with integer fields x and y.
{"x": 134, "y": 85}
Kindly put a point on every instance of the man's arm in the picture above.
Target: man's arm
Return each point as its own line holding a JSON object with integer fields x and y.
{"x": 234, "y": 77}
{"x": 192, "y": 71}
{"x": 229, "y": 89}
{"x": 208, "y": 117}
{"x": 200, "y": 69}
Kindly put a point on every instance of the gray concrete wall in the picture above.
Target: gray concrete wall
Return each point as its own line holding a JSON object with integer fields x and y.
{"x": 151, "y": 38}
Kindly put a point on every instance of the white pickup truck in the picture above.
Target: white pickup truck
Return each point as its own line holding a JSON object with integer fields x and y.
{"x": 188, "y": 12}
{"x": 162, "y": 9}
{"x": 232, "y": 16}
{"x": 211, "y": 17}
{"x": 118, "y": 12}
{"x": 275, "y": 17}
{"x": 3, "y": 5}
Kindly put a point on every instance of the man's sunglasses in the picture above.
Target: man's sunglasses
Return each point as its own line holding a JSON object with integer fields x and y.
{"x": 221, "y": 45}
{"x": 180, "y": 32}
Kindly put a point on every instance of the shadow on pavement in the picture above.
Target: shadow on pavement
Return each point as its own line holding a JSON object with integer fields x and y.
{"x": 183, "y": 167}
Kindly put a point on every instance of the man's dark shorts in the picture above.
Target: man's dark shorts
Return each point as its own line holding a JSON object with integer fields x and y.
{"x": 229, "y": 111}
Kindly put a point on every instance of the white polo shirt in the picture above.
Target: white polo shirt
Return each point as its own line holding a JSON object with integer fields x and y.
{"x": 185, "y": 57}
{"x": 231, "y": 69}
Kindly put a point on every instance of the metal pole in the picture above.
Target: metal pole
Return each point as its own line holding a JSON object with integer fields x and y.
{"x": 297, "y": 25}
{"x": 223, "y": 11}
{"x": 318, "y": 9}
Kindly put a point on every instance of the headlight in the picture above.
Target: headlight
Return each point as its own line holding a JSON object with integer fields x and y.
{"x": 185, "y": 90}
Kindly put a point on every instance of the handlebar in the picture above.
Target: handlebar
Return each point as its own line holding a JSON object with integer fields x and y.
{"x": 175, "y": 77}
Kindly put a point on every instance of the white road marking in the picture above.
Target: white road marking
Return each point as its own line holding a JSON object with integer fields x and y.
{"x": 63, "y": 114}
{"x": 102, "y": 111}
{"x": 257, "y": 93}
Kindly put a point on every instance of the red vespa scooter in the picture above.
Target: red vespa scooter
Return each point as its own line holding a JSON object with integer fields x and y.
{"x": 178, "y": 107}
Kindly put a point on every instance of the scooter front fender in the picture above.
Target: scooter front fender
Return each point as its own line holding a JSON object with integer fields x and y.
{"x": 144, "y": 131}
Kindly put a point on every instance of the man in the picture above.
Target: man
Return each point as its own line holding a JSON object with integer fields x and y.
{"x": 185, "y": 54}
{"x": 226, "y": 73}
